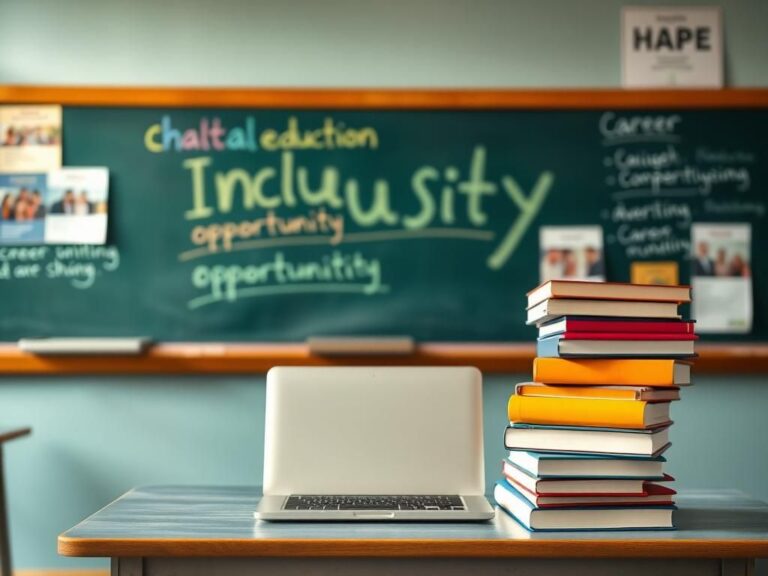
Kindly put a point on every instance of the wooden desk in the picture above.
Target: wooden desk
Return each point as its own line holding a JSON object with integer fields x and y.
{"x": 198, "y": 531}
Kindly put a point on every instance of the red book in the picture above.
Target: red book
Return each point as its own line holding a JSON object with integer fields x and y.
{"x": 655, "y": 495}
{"x": 625, "y": 336}
{"x": 602, "y": 325}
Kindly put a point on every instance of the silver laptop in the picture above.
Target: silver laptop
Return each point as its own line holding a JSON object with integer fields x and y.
{"x": 374, "y": 443}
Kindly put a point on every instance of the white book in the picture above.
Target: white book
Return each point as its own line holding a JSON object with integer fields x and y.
{"x": 553, "y": 465}
{"x": 586, "y": 440}
{"x": 608, "y": 291}
{"x": 554, "y": 308}
{"x": 575, "y": 347}
{"x": 571, "y": 486}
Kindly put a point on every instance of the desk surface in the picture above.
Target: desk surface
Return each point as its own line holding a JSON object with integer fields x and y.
{"x": 179, "y": 521}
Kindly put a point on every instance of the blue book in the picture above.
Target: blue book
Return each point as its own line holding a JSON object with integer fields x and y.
{"x": 596, "y": 466}
{"x": 578, "y": 518}
{"x": 586, "y": 440}
{"x": 560, "y": 346}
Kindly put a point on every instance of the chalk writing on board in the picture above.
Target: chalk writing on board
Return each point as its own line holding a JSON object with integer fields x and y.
{"x": 656, "y": 210}
{"x": 211, "y": 134}
{"x": 650, "y": 241}
{"x": 337, "y": 205}
{"x": 734, "y": 208}
{"x": 79, "y": 266}
{"x": 285, "y": 202}
{"x": 337, "y": 272}
{"x": 659, "y": 187}
{"x": 271, "y": 231}
{"x": 689, "y": 179}
{"x": 620, "y": 129}
{"x": 705, "y": 154}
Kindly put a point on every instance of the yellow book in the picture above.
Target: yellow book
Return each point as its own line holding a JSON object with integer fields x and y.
{"x": 587, "y": 412}
{"x": 645, "y": 393}
{"x": 623, "y": 372}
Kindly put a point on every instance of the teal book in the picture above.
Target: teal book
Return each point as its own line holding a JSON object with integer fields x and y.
{"x": 581, "y": 518}
{"x": 608, "y": 346}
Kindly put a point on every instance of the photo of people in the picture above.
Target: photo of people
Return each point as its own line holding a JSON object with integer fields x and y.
{"x": 22, "y": 208}
{"x": 22, "y": 204}
{"x": 731, "y": 260}
{"x": 571, "y": 252}
{"x": 721, "y": 277}
{"x": 30, "y": 139}
{"x": 77, "y": 206}
{"x": 79, "y": 203}
{"x": 48, "y": 135}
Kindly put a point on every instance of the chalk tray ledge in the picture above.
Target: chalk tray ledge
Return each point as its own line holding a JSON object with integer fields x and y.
{"x": 254, "y": 358}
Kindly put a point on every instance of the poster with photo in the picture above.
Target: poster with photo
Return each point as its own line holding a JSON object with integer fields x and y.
{"x": 721, "y": 277}
{"x": 22, "y": 212}
{"x": 571, "y": 253}
{"x": 30, "y": 139}
{"x": 77, "y": 206}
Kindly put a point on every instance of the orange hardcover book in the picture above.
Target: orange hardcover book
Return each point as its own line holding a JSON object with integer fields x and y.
{"x": 587, "y": 412}
{"x": 613, "y": 372}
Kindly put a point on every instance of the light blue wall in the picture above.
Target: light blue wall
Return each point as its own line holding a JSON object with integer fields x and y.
{"x": 95, "y": 438}
{"x": 339, "y": 42}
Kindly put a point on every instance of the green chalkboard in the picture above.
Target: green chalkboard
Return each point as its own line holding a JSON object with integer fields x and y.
{"x": 230, "y": 225}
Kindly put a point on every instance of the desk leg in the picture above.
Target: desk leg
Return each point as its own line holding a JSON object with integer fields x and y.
{"x": 127, "y": 567}
{"x": 737, "y": 567}
{"x": 5, "y": 540}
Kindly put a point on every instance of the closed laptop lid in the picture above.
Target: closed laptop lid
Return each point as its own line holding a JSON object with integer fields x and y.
{"x": 374, "y": 430}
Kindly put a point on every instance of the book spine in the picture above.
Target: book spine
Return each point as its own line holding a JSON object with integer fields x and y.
{"x": 669, "y": 327}
{"x": 634, "y": 337}
{"x": 548, "y": 347}
{"x": 595, "y": 393}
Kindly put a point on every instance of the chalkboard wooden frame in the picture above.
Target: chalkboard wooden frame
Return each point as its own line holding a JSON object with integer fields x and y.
{"x": 356, "y": 98}
{"x": 183, "y": 358}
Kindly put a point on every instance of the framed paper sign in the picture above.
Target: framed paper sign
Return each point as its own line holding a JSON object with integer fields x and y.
{"x": 672, "y": 47}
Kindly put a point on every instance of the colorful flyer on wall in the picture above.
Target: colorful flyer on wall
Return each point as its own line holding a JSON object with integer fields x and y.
{"x": 77, "y": 206}
{"x": 658, "y": 273}
{"x": 571, "y": 253}
{"x": 30, "y": 139}
{"x": 721, "y": 277}
{"x": 22, "y": 212}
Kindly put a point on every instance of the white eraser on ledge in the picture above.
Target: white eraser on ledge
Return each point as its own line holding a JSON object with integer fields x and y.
{"x": 83, "y": 346}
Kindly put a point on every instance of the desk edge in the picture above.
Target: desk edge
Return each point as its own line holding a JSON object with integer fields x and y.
{"x": 426, "y": 548}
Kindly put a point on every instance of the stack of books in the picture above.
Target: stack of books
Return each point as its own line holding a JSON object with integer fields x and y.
{"x": 586, "y": 438}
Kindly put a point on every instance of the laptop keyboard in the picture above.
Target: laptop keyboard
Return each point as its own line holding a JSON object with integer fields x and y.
{"x": 324, "y": 502}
